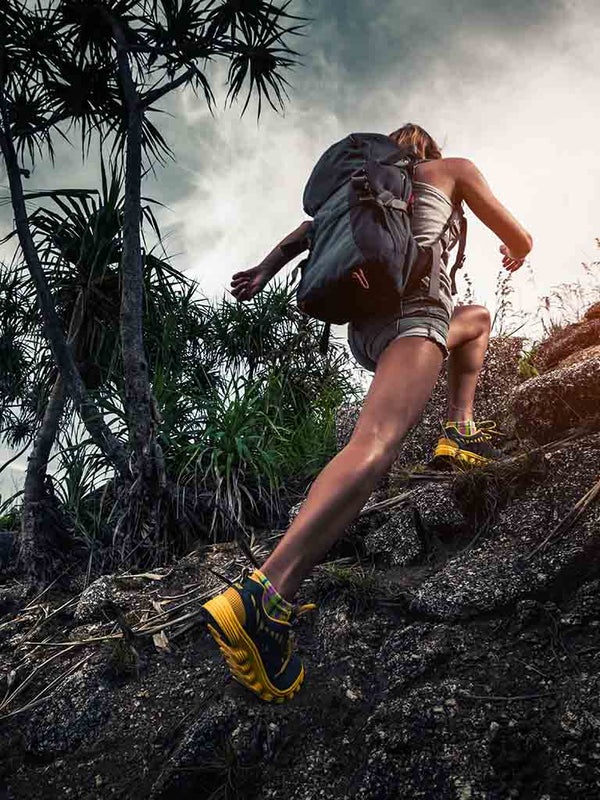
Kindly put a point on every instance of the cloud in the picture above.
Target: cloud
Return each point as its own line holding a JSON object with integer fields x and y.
{"x": 367, "y": 43}
{"x": 493, "y": 82}
{"x": 504, "y": 83}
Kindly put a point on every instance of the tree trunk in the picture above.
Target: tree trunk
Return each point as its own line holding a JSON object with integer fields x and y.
{"x": 137, "y": 384}
{"x": 141, "y": 420}
{"x": 38, "y": 540}
{"x": 101, "y": 434}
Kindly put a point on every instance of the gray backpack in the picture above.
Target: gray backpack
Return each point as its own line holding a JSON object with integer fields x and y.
{"x": 362, "y": 255}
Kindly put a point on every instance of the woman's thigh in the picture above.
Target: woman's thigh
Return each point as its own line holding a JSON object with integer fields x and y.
{"x": 404, "y": 379}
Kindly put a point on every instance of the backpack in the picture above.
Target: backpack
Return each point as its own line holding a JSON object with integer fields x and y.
{"x": 363, "y": 256}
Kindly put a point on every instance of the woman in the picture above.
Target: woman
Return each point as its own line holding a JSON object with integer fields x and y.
{"x": 251, "y": 621}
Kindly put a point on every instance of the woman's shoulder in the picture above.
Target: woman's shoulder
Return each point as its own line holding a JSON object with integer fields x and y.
{"x": 446, "y": 174}
{"x": 454, "y": 164}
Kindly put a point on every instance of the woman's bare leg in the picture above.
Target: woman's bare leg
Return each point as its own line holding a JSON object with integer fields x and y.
{"x": 405, "y": 376}
{"x": 467, "y": 341}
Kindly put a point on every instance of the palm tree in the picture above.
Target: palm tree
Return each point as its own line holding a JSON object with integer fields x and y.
{"x": 101, "y": 67}
{"x": 80, "y": 246}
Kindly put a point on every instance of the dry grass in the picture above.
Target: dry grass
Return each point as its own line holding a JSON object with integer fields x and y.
{"x": 349, "y": 581}
{"x": 567, "y": 523}
{"x": 177, "y": 614}
{"x": 481, "y": 493}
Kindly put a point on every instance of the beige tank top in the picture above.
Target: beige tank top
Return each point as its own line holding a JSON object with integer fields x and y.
{"x": 432, "y": 210}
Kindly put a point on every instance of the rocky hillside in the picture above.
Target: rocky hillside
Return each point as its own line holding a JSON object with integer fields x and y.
{"x": 454, "y": 655}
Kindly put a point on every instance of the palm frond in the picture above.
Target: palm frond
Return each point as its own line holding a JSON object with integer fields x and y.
{"x": 257, "y": 62}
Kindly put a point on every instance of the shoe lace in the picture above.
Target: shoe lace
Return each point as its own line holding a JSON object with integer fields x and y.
{"x": 303, "y": 609}
{"x": 488, "y": 429}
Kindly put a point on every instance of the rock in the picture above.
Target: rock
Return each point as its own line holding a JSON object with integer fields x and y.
{"x": 410, "y": 653}
{"x": 203, "y": 749}
{"x": 293, "y": 512}
{"x": 393, "y": 705}
{"x": 92, "y": 600}
{"x": 75, "y": 713}
{"x": 472, "y": 675}
{"x": 498, "y": 378}
{"x": 581, "y": 355}
{"x": 11, "y": 594}
{"x": 503, "y": 567}
{"x": 395, "y": 543}
{"x": 548, "y": 405}
{"x": 593, "y": 312}
{"x": 400, "y": 539}
{"x": 361, "y": 525}
{"x": 437, "y": 508}
{"x": 571, "y": 339}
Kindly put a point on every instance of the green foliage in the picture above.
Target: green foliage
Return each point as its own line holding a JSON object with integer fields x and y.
{"x": 350, "y": 582}
{"x": 9, "y": 522}
{"x": 246, "y": 400}
{"x": 23, "y": 387}
{"x": 526, "y": 366}
{"x": 93, "y": 68}
{"x": 79, "y": 476}
{"x": 260, "y": 425}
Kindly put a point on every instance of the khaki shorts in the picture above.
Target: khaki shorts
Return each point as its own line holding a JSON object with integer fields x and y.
{"x": 416, "y": 316}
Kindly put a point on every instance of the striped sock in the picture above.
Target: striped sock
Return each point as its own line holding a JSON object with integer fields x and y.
{"x": 464, "y": 427}
{"x": 273, "y": 603}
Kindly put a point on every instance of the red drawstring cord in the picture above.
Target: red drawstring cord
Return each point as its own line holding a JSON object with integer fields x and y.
{"x": 360, "y": 276}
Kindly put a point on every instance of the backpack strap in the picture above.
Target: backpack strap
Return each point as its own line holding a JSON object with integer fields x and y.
{"x": 438, "y": 249}
{"x": 436, "y": 268}
{"x": 324, "y": 341}
{"x": 460, "y": 255}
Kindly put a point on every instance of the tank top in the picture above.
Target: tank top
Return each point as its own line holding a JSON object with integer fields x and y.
{"x": 432, "y": 210}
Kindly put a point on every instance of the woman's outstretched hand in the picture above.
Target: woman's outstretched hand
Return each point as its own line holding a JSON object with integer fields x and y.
{"x": 245, "y": 284}
{"x": 509, "y": 262}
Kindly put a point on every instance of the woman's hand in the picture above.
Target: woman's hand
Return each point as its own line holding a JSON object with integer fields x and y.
{"x": 509, "y": 262}
{"x": 245, "y": 284}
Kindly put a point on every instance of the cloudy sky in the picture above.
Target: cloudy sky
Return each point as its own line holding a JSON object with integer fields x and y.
{"x": 511, "y": 84}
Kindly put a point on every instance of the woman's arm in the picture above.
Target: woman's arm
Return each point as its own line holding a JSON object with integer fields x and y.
{"x": 474, "y": 189}
{"x": 245, "y": 284}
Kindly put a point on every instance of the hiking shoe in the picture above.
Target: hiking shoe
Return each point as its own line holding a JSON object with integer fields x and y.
{"x": 460, "y": 449}
{"x": 257, "y": 647}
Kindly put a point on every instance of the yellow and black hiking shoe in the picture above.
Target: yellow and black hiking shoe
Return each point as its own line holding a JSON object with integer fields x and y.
{"x": 257, "y": 647}
{"x": 460, "y": 449}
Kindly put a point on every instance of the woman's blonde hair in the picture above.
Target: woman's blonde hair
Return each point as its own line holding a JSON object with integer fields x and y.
{"x": 417, "y": 140}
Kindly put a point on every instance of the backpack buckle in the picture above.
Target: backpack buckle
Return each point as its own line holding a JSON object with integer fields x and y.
{"x": 388, "y": 200}
{"x": 362, "y": 187}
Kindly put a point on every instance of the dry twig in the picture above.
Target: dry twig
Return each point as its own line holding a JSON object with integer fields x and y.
{"x": 571, "y": 518}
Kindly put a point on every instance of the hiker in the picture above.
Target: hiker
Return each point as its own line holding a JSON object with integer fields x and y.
{"x": 405, "y": 349}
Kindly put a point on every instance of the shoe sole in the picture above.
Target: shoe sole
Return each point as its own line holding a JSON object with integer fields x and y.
{"x": 447, "y": 450}
{"x": 242, "y": 656}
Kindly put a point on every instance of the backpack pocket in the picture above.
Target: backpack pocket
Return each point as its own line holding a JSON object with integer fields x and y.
{"x": 363, "y": 254}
